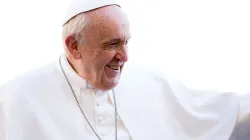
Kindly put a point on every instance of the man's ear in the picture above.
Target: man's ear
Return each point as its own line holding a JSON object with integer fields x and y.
{"x": 73, "y": 47}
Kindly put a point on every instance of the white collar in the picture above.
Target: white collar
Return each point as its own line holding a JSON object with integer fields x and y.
{"x": 72, "y": 76}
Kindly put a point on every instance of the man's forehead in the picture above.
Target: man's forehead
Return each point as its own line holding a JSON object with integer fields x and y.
{"x": 107, "y": 22}
{"x": 79, "y": 6}
{"x": 107, "y": 26}
{"x": 106, "y": 14}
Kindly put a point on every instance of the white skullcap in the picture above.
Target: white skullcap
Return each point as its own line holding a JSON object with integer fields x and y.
{"x": 79, "y": 6}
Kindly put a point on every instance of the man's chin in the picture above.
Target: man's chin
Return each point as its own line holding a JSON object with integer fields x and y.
{"x": 110, "y": 83}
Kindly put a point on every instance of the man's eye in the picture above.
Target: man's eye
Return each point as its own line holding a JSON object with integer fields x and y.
{"x": 111, "y": 46}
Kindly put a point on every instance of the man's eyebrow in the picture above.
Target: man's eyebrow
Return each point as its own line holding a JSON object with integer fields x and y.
{"x": 108, "y": 41}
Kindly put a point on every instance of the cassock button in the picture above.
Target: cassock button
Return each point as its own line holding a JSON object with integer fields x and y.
{"x": 98, "y": 104}
{"x": 101, "y": 120}
{"x": 103, "y": 135}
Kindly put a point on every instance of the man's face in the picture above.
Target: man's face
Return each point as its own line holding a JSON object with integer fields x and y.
{"x": 104, "y": 51}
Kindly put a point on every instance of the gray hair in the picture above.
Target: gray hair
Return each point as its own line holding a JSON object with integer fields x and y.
{"x": 74, "y": 27}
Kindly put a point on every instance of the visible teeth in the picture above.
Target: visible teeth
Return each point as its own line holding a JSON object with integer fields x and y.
{"x": 114, "y": 67}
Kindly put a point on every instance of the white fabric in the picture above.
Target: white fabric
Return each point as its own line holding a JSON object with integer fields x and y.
{"x": 79, "y": 6}
{"x": 97, "y": 105}
{"x": 39, "y": 106}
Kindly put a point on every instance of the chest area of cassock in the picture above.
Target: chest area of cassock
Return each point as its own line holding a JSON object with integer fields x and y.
{"x": 148, "y": 112}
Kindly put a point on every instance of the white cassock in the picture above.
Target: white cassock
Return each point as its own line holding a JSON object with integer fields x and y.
{"x": 40, "y": 106}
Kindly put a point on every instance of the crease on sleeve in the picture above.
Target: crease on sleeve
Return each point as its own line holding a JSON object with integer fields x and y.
{"x": 242, "y": 127}
{"x": 244, "y": 112}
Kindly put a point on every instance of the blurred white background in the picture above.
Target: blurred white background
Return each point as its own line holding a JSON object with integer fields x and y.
{"x": 205, "y": 44}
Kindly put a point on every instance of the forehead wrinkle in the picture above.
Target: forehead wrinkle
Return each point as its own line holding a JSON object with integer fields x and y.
{"x": 97, "y": 16}
{"x": 106, "y": 21}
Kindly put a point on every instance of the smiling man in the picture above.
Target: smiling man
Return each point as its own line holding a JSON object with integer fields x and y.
{"x": 91, "y": 93}
{"x": 98, "y": 51}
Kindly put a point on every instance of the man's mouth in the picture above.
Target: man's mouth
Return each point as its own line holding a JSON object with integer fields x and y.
{"x": 114, "y": 67}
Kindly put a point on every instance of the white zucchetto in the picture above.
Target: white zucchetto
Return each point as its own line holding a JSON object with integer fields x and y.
{"x": 79, "y": 6}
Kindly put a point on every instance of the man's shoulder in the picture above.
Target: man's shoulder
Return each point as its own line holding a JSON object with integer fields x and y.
{"x": 31, "y": 79}
{"x": 141, "y": 74}
{"x": 138, "y": 71}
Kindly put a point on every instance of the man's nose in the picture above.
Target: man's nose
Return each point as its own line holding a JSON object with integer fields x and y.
{"x": 122, "y": 54}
